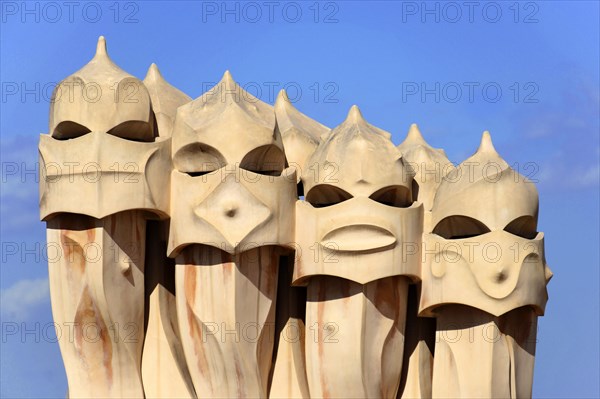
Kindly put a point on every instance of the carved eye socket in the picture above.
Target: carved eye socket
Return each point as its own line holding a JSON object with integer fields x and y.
{"x": 198, "y": 159}
{"x": 265, "y": 160}
{"x": 69, "y": 130}
{"x": 324, "y": 195}
{"x": 133, "y": 130}
{"x": 196, "y": 174}
{"x": 524, "y": 226}
{"x": 130, "y": 130}
{"x": 396, "y": 196}
{"x": 457, "y": 227}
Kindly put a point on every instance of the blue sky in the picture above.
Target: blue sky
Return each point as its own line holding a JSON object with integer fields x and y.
{"x": 534, "y": 72}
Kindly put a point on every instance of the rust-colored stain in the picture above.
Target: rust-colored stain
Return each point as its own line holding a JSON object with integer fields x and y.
{"x": 91, "y": 234}
{"x": 74, "y": 256}
{"x": 94, "y": 351}
{"x": 226, "y": 264}
{"x": 195, "y": 330}
{"x": 190, "y": 284}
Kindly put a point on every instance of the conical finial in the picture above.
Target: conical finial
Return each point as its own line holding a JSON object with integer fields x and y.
{"x": 486, "y": 143}
{"x": 289, "y": 117}
{"x": 354, "y": 115}
{"x": 227, "y": 80}
{"x": 153, "y": 73}
{"x": 282, "y": 98}
{"x": 283, "y": 103}
{"x": 414, "y": 136}
{"x": 101, "y": 48}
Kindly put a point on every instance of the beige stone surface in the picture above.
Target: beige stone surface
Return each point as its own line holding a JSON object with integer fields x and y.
{"x": 227, "y": 331}
{"x": 355, "y": 337}
{"x": 360, "y": 159}
{"x": 189, "y": 266}
{"x": 232, "y": 209}
{"x": 485, "y": 188}
{"x": 234, "y": 218}
{"x": 479, "y": 355}
{"x": 164, "y": 370}
{"x": 226, "y": 126}
{"x": 101, "y": 97}
{"x": 300, "y": 134}
{"x": 97, "y": 291}
{"x": 485, "y": 250}
{"x": 102, "y": 148}
{"x": 484, "y": 277}
{"x": 288, "y": 374}
{"x": 111, "y": 173}
{"x": 103, "y": 173}
{"x": 430, "y": 166}
{"x": 165, "y": 100}
{"x": 353, "y": 227}
{"x": 419, "y": 344}
{"x": 358, "y": 218}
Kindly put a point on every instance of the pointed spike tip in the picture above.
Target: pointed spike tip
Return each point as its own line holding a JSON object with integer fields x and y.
{"x": 414, "y": 135}
{"x": 282, "y": 102}
{"x": 153, "y": 72}
{"x": 227, "y": 76}
{"x": 101, "y": 47}
{"x": 282, "y": 96}
{"x": 354, "y": 114}
{"x": 227, "y": 81}
{"x": 486, "y": 143}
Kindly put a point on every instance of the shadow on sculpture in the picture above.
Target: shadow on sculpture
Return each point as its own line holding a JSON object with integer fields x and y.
{"x": 224, "y": 247}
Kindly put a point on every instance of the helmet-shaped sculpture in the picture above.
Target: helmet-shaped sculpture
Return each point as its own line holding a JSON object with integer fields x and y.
{"x": 485, "y": 220}
{"x": 102, "y": 145}
{"x": 358, "y": 207}
{"x": 228, "y": 160}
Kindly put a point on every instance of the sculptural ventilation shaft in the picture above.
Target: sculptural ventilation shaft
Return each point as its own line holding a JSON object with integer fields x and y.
{"x": 192, "y": 266}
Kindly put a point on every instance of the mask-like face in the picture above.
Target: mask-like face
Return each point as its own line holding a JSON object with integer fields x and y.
{"x": 101, "y": 155}
{"x": 496, "y": 272}
{"x": 229, "y": 182}
{"x": 99, "y": 174}
{"x": 484, "y": 250}
{"x": 358, "y": 218}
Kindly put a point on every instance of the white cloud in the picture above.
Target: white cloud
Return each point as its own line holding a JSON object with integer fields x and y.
{"x": 18, "y": 301}
{"x": 589, "y": 177}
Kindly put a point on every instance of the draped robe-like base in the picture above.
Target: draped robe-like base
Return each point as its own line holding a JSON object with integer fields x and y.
{"x": 226, "y": 312}
{"x": 96, "y": 274}
{"x": 355, "y": 337}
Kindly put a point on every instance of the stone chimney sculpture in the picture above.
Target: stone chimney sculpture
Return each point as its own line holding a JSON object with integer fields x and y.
{"x": 224, "y": 247}
{"x": 357, "y": 228}
{"x": 484, "y": 279}
{"x": 104, "y": 173}
{"x": 430, "y": 166}
{"x": 233, "y": 210}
